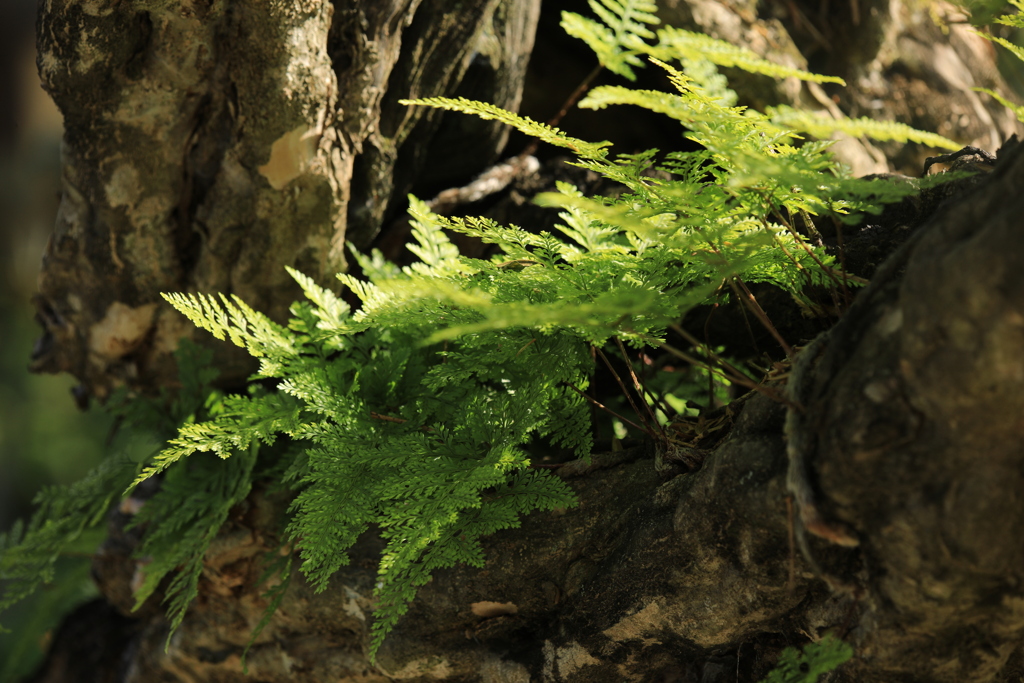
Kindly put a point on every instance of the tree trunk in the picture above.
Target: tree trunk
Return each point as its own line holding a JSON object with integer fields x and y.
{"x": 209, "y": 144}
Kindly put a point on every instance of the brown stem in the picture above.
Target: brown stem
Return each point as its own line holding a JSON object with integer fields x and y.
{"x": 568, "y": 104}
{"x": 641, "y": 390}
{"x": 646, "y": 428}
{"x": 740, "y": 379}
{"x": 747, "y": 297}
{"x": 604, "y": 407}
{"x": 726, "y": 365}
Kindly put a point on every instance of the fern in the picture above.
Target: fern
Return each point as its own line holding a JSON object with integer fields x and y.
{"x": 1016, "y": 21}
{"x": 620, "y": 37}
{"x": 820, "y": 126}
{"x": 457, "y": 421}
{"x": 541, "y": 131}
{"x": 796, "y": 666}
{"x": 29, "y": 552}
{"x": 675, "y": 43}
{"x": 182, "y": 520}
{"x": 1017, "y": 109}
{"x": 415, "y": 412}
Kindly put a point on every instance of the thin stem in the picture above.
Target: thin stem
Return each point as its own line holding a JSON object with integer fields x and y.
{"x": 726, "y": 365}
{"x": 842, "y": 257}
{"x": 604, "y": 407}
{"x": 641, "y": 390}
{"x": 810, "y": 252}
{"x": 739, "y": 286}
{"x": 738, "y": 379}
{"x": 646, "y": 429}
{"x": 566, "y": 106}
{"x": 387, "y": 418}
{"x": 755, "y": 307}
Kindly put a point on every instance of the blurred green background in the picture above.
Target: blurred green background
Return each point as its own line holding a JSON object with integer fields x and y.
{"x": 44, "y": 438}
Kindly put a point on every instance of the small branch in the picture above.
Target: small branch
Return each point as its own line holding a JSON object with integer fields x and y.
{"x": 387, "y": 418}
{"x": 638, "y": 385}
{"x": 568, "y": 104}
{"x": 741, "y": 290}
{"x": 647, "y": 429}
{"x": 604, "y": 407}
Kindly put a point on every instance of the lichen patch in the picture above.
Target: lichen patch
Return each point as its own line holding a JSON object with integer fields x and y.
{"x": 121, "y": 331}
{"x": 636, "y": 625}
{"x": 290, "y": 156}
{"x": 572, "y": 657}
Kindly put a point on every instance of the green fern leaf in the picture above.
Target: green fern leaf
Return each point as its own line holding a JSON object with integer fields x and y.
{"x": 676, "y": 43}
{"x": 190, "y": 508}
{"x": 617, "y": 40}
{"x": 28, "y": 553}
{"x": 236, "y": 321}
{"x": 1017, "y": 109}
{"x": 822, "y": 126}
{"x": 524, "y": 124}
{"x": 1015, "y": 20}
{"x": 806, "y": 666}
{"x": 241, "y": 422}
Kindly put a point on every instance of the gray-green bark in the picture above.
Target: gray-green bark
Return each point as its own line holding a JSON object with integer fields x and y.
{"x": 208, "y": 145}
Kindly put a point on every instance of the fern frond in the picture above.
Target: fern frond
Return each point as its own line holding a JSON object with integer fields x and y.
{"x": 524, "y": 124}
{"x": 822, "y": 126}
{"x": 278, "y": 572}
{"x": 1015, "y": 20}
{"x": 806, "y": 666}
{"x": 676, "y": 43}
{"x": 627, "y": 17}
{"x": 1017, "y": 51}
{"x": 236, "y": 321}
{"x": 375, "y": 266}
{"x": 616, "y": 41}
{"x": 331, "y": 311}
{"x": 190, "y": 508}
{"x": 242, "y": 421}
{"x": 1017, "y": 109}
{"x": 436, "y": 252}
{"x": 686, "y": 110}
{"x": 28, "y": 553}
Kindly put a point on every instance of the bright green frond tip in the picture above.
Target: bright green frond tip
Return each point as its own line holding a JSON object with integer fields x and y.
{"x": 1017, "y": 21}
{"x": 1017, "y": 109}
{"x": 821, "y": 126}
{"x": 675, "y": 43}
{"x": 618, "y": 36}
{"x": 816, "y": 659}
{"x": 524, "y": 124}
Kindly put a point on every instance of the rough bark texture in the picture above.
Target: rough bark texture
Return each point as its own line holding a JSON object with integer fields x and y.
{"x": 209, "y": 144}
{"x": 902, "y": 61}
{"x": 915, "y": 409}
{"x": 918, "y": 403}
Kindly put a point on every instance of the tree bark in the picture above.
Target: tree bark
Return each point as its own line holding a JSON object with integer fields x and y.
{"x": 210, "y": 144}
